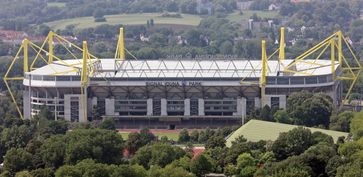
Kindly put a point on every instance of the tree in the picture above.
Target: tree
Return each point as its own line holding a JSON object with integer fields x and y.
{"x": 215, "y": 141}
{"x": 23, "y": 174}
{"x": 16, "y": 136}
{"x": 194, "y": 136}
{"x": 245, "y": 160}
{"x": 310, "y": 109}
{"x": 266, "y": 113}
{"x": 293, "y": 142}
{"x": 282, "y": 116}
{"x": 16, "y": 160}
{"x": 42, "y": 172}
{"x": 102, "y": 145}
{"x": 201, "y": 165}
{"x": 226, "y": 48}
{"x": 169, "y": 171}
{"x": 356, "y": 126}
{"x": 53, "y": 151}
{"x": 230, "y": 170}
{"x": 108, "y": 124}
{"x": 341, "y": 121}
{"x": 184, "y": 136}
{"x": 157, "y": 154}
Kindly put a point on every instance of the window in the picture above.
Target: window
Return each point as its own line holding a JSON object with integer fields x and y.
{"x": 275, "y": 102}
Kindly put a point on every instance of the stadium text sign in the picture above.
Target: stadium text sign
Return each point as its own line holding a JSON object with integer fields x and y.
{"x": 173, "y": 83}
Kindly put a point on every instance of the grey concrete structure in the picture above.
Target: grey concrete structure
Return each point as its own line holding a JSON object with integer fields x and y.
{"x": 170, "y": 93}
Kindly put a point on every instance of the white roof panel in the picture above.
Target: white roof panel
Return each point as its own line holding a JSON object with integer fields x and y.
{"x": 185, "y": 68}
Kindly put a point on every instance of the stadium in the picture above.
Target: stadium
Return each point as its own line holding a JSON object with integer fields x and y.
{"x": 177, "y": 93}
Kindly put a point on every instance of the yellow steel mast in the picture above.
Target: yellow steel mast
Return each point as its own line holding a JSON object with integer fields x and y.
{"x": 263, "y": 72}
{"x": 282, "y": 44}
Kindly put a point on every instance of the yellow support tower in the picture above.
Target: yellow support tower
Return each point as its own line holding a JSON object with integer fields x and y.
{"x": 332, "y": 56}
{"x": 26, "y": 58}
{"x": 23, "y": 49}
{"x": 84, "y": 81}
{"x": 120, "y": 51}
{"x": 263, "y": 72}
{"x": 340, "y": 47}
{"x": 50, "y": 45}
{"x": 282, "y": 44}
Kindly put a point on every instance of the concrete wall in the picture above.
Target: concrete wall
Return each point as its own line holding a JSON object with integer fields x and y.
{"x": 67, "y": 107}
{"x": 187, "y": 107}
{"x": 149, "y": 103}
{"x": 163, "y": 107}
{"x": 201, "y": 107}
{"x": 110, "y": 106}
{"x": 26, "y": 105}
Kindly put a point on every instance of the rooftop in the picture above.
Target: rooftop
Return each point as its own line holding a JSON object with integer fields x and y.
{"x": 185, "y": 68}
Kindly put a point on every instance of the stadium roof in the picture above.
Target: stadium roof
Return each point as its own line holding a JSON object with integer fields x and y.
{"x": 184, "y": 68}
{"x": 256, "y": 130}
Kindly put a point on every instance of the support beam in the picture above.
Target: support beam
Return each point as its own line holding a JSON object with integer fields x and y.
{"x": 26, "y": 58}
{"x": 332, "y": 56}
{"x": 340, "y": 47}
{"x": 282, "y": 44}
{"x": 84, "y": 81}
{"x": 50, "y": 47}
{"x": 120, "y": 53}
{"x": 263, "y": 71}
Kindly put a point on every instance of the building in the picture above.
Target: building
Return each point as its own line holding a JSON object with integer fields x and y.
{"x": 204, "y": 7}
{"x": 175, "y": 93}
{"x": 245, "y": 5}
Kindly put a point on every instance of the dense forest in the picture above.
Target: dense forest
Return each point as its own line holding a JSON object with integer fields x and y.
{"x": 45, "y": 148}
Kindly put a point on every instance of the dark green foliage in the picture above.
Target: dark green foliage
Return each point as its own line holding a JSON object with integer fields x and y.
{"x": 42, "y": 172}
{"x": 293, "y": 142}
{"x": 310, "y": 109}
{"x": 169, "y": 171}
{"x": 184, "y": 136}
{"x": 159, "y": 154}
{"x": 341, "y": 121}
{"x": 104, "y": 146}
{"x": 201, "y": 165}
{"x": 137, "y": 140}
{"x": 17, "y": 160}
{"x": 215, "y": 141}
{"x": 108, "y": 124}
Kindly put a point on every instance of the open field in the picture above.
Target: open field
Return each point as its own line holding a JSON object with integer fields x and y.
{"x": 126, "y": 19}
{"x": 256, "y": 130}
{"x": 141, "y": 18}
{"x": 56, "y": 4}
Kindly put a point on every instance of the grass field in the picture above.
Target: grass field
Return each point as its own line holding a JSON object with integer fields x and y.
{"x": 141, "y": 18}
{"x": 126, "y": 19}
{"x": 256, "y": 130}
{"x": 171, "y": 136}
{"x": 56, "y": 4}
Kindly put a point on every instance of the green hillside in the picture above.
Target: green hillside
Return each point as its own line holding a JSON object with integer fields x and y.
{"x": 256, "y": 130}
{"x": 126, "y": 19}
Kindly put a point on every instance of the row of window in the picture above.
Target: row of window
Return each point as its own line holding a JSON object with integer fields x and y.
{"x": 270, "y": 80}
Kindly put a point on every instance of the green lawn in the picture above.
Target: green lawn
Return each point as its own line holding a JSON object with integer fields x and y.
{"x": 126, "y": 19}
{"x": 141, "y": 18}
{"x": 256, "y": 130}
{"x": 171, "y": 136}
{"x": 56, "y": 4}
